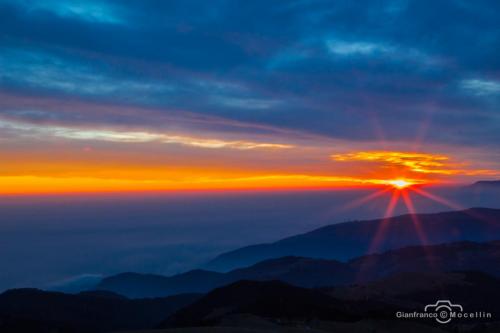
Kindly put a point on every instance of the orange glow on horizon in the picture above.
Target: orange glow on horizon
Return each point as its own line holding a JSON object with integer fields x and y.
{"x": 179, "y": 182}
{"x": 124, "y": 171}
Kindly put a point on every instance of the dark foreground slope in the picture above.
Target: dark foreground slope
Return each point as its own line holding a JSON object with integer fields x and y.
{"x": 308, "y": 272}
{"x": 352, "y": 239}
{"x": 267, "y": 299}
{"x": 275, "y": 306}
{"x": 472, "y": 289}
{"x": 263, "y": 306}
{"x": 33, "y": 310}
{"x": 364, "y": 308}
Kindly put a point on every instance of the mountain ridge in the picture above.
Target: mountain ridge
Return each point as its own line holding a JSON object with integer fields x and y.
{"x": 346, "y": 240}
{"x": 313, "y": 272}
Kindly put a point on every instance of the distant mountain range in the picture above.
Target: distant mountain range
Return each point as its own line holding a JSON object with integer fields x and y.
{"x": 309, "y": 272}
{"x": 347, "y": 240}
{"x": 460, "y": 256}
{"x": 296, "y": 293}
{"x": 296, "y": 270}
{"x": 478, "y": 224}
{"x": 486, "y": 184}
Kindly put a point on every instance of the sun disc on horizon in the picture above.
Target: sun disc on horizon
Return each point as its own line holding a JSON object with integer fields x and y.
{"x": 399, "y": 183}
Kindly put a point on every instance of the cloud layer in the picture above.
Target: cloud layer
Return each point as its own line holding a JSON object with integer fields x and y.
{"x": 315, "y": 77}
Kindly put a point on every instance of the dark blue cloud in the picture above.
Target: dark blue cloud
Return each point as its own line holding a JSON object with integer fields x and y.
{"x": 329, "y": 68}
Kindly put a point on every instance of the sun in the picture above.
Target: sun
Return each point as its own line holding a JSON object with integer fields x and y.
{"x": 399, "y": 183}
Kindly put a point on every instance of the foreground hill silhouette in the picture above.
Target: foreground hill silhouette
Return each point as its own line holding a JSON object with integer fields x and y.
{"x": 308, "y": 272}
{"x": 263, "y": 304}
{"x": 347, "y": 240}
{"x": 471, "y": 289}
{"x": 270, "y": 299}
{"x": 33, "y": 310}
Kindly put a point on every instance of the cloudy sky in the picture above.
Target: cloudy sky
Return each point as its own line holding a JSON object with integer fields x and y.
{"x": 153, "y": 95}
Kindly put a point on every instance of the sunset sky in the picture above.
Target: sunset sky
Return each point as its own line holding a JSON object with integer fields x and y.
{"x": 156, "y": 95}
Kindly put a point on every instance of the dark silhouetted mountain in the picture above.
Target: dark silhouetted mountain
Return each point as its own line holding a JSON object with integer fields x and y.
{"x": 136, "y": 285}
{"x": 269, "y": 299}
{"x": 487, "y": 184}
{"x": 360, "y": 308}
{"x": 475, "y": 291}
{"x": 102, "y": 294}
{"x": 257, "y": 305}
{"x": 303, "y": 272}
{"x": 33, "y": 310}
{"x": 482, "y": 190}
{"x": 76, "y": 284}
{"x": 459, "y": 256}
{"x": 299, "y": 271}
{"x": 347, "y": 240}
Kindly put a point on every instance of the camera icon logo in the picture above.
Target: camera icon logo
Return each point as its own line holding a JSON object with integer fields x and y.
{"x": 444, "y": 310}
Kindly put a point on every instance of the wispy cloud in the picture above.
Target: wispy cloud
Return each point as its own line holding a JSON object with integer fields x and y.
{"x": 481, "y": 87}
{"x": 345, "y": 48}
{"x": 382, "y": 50}
{"x": 247, "y": 103}
{"x": 123, "y": 136}
{"x": 92, "y": 11}
{"x": 424, "y": 163}
{"x": 46, "y": 71}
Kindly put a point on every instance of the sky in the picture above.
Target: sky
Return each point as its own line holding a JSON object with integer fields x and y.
{"x": 181, "y": 95}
